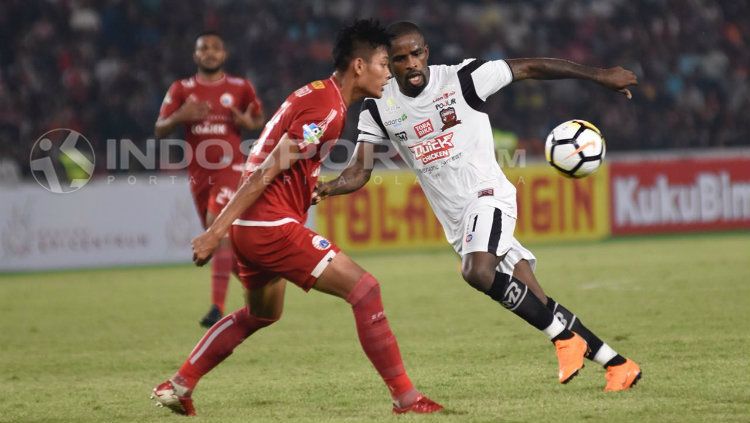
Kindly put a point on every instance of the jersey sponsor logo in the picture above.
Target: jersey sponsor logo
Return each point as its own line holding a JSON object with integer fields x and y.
{"x": 321, "y": 243}
{"x": 209, "y": 129}
{"x": 449, "y": 118}
{"x": 396, "y": 121}
{"x": 444, "y": 96}
{"x": 402, "y": 136}
{"x": 391, "y": 106}
{"x": 446, "y": 103}
{"x": 423, "y": 128}
{"x": 303, "y": 91}
{"x": 226, "y": 100}
{"x": 318, "y": 85}
{"x": 487, "y": 192}
{"x": 433, "y": 149}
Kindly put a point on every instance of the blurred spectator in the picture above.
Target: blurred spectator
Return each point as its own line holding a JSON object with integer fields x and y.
{"x": 102, "y": 66}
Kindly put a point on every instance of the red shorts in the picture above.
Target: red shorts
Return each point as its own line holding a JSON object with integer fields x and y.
{"x": 213, "y": 192}
{"x": 290, "y": 251}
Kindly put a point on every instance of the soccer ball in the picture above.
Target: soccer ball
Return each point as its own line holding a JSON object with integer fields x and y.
{"x": 575, "y": 148}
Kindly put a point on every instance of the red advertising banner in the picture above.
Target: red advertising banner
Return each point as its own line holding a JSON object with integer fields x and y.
{"x": 678, "y": 195}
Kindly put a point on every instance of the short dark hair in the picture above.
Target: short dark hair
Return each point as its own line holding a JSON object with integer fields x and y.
{"x": 207, "y": 33}
{"x": 359, "y": 39}
{"x": 398, "y": 29}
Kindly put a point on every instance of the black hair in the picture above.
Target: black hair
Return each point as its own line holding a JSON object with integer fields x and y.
{"x": 207, "y": 33}
{"x": 358, "y": 40}
{"x": 398, "y": 29}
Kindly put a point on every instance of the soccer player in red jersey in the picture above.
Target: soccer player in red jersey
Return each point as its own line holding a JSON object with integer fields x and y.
{"x": 213, "y": 107}
{"x": 267, "y": 215}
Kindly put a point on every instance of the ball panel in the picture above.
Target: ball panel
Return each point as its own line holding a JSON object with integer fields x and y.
{"x": 565, "y": 156}
{"x": 566, "y": 130}
{"x": 587, "y": 168}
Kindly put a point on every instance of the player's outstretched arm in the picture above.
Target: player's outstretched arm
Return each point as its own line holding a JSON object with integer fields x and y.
{"x": 354, "y": 177}
{"x": 617, "y": 78}
{"x": 284, "y": 155}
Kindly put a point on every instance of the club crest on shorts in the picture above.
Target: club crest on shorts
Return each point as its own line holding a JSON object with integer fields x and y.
{"x": 321, "y": 243}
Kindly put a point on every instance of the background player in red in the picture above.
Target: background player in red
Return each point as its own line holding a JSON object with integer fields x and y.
{"x": 213, "y": 107}
{"x": 267, "y": 216}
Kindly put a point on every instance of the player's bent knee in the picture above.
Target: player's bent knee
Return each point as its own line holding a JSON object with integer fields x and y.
{"x": 366, "y": 285}
{"x": 478, "y": 278}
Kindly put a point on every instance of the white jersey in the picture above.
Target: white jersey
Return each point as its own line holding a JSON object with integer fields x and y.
{"x": 446, "y": 138}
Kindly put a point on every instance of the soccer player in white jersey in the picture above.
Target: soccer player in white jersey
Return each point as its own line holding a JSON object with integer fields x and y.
{"x": 433, "y": 116}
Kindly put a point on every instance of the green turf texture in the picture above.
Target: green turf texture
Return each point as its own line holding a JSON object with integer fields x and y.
{"x": 88, "y": 346}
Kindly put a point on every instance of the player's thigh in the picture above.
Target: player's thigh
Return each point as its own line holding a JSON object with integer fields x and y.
{"x": 201, "y": 196}
{"x": 292, "y": 251}
{"x": 340, "y": 276}
{"x": 267, "y": 301}
{"x": 210, "y": 217}
{"x": 487, "y": 229}
{"x": 223, "y": 185}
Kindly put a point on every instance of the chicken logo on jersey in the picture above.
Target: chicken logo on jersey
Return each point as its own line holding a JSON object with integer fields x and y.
{"x": 449, "y": 118}
{"x": 433, "y": 149}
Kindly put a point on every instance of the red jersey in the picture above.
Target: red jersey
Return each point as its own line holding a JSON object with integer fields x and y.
{"x": 218, "y": 126}
{"x": 313, "y": 116}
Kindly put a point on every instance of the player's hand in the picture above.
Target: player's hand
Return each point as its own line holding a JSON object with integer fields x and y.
{"x": 204, "y": 246}
{"x": 320, "y": 192}
{"x": 619, "y": 79}
{"x": 194, "y": 111}
{"x": 244, "y": 120}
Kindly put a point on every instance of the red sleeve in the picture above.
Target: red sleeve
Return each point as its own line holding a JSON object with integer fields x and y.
{"x": 172, "y": 101}
{"x": 315, "y": 125}
{"x": 253, "y": 101}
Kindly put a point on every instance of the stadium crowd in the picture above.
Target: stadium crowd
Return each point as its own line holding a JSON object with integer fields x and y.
{"x": 102, "y": 66}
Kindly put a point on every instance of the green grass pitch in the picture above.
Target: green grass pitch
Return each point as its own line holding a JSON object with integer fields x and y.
{"x": 87, "y": 346}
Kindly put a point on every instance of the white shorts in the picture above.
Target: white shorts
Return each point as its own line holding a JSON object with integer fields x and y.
{"x": 489, "y": 229}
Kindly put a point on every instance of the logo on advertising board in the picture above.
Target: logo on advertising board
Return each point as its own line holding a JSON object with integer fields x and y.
{"x": 433, "y": 149}
{"x": 681, "y": 194}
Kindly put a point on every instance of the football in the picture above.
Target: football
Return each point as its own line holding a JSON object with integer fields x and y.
{"x": 576, "y": 148}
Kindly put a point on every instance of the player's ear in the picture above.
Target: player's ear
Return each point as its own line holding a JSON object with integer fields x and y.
{"x": 358, "y": 65}
{"x": 426, "y": 52}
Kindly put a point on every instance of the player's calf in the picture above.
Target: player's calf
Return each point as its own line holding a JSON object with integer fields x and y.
{"x": 514, "y": 295}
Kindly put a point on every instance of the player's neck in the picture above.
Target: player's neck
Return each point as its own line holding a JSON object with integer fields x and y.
{"x": 346, "y": 88}
{"x": 209, "y": 77}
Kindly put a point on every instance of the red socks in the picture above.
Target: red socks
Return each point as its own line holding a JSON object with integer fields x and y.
{"x": 217, "y": 344}
{"x": 221, "y": 267}
{"x": 377, "y": 339}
